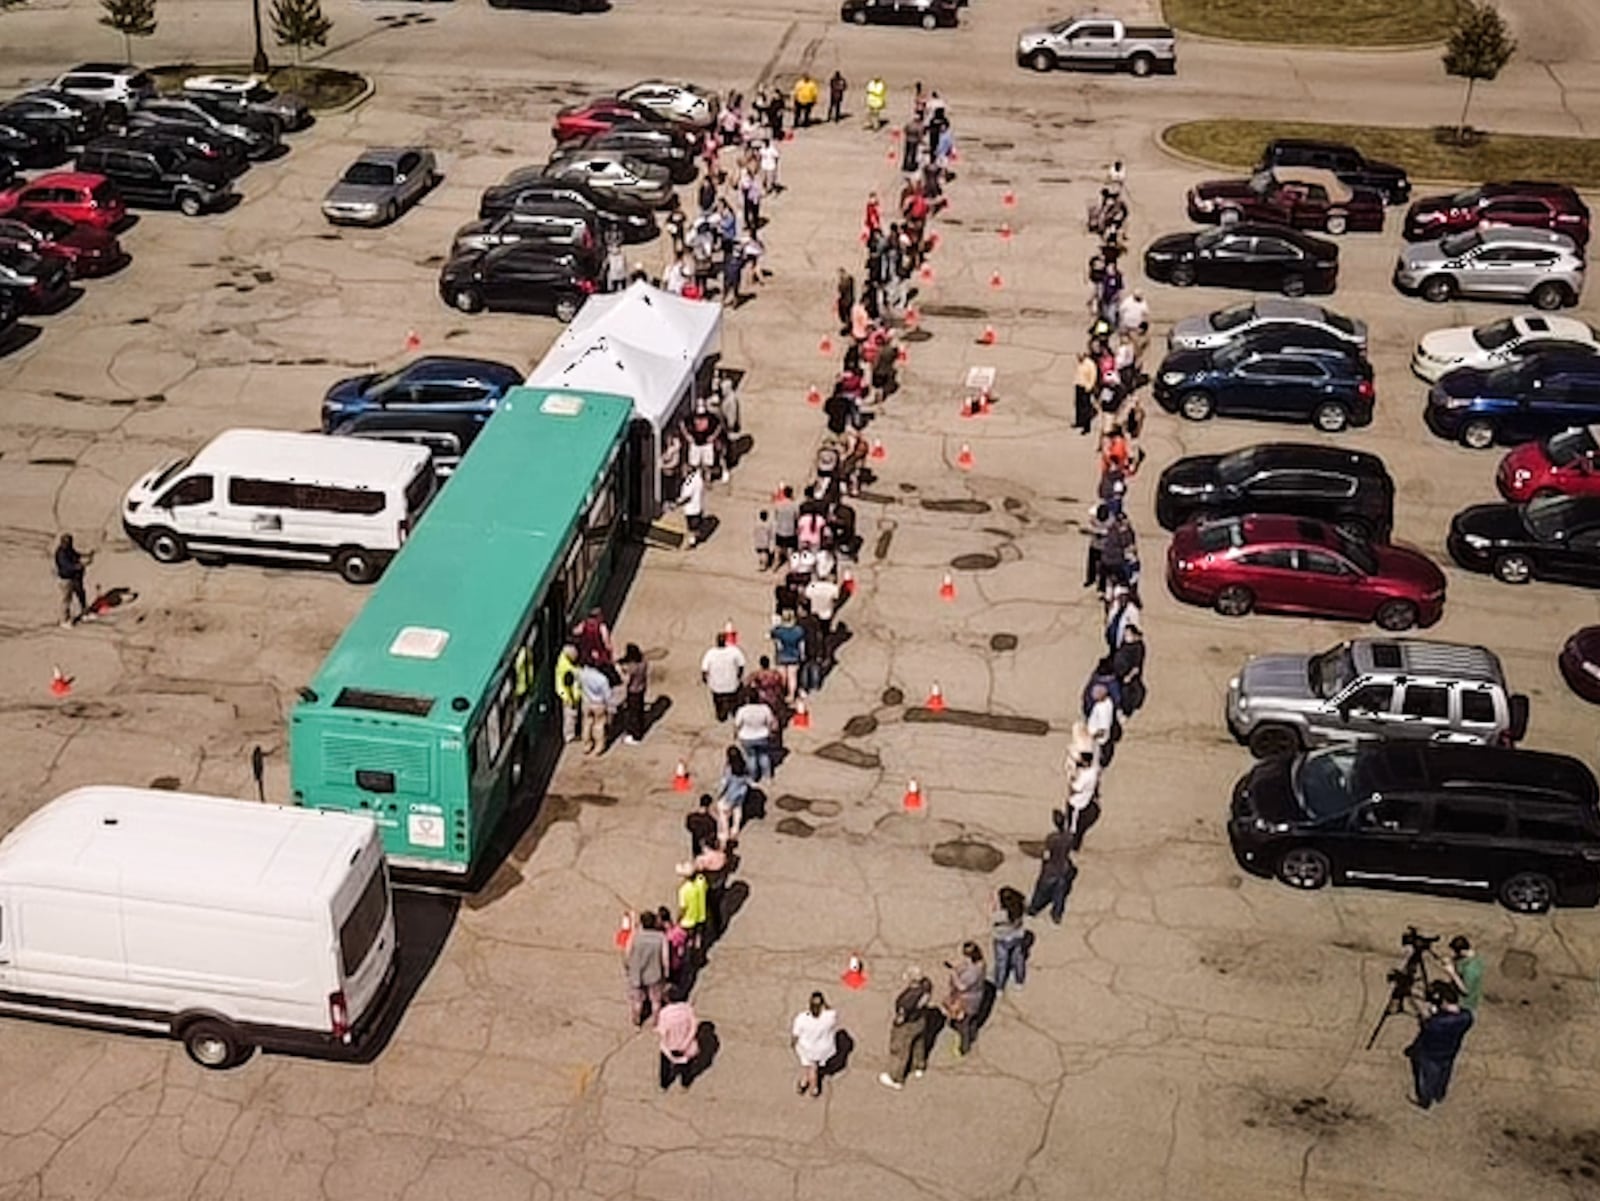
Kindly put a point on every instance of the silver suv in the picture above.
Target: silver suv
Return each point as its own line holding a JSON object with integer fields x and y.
{"x": 1538, "y": 265}
{"x": 1374, "y": 688}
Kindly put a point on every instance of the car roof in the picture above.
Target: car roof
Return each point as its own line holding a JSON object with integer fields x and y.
{"x": 1258, "y": 528}
{"x": 312, "y": 458}
{"x": 1446, "y": 766}
{"x": 1424, "y": 657}
{"x": 1312, "y": 456}
{"x": 386, "y": 156}
{"x": 1522, "y": 235}
{"x": 1337, "y": 189}
{"x": 1311, "y": 144}
{"x": 443, "y": 366}
{"x": 106, "y": 68}
{"x": 1277, "y": 308}
{"x": 1268, "y": 229}
{"x": 1538, "y": 187}
{"x": 67, "y": 179}
{"x": 1549, "y": 325}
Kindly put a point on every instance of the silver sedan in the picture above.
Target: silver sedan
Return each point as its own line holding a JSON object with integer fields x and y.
{"x": 380, "y": 185}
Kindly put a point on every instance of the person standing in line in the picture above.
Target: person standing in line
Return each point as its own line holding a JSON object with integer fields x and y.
{"x": 692, "y": 499}
{"x": 771, "y": 158}
{"x": 844, "y": 301}
{"x": 837, "y": 87}
{"x": 677, "y": 1029}
{"x": 722, "y": 669}
{"x": 616, "y": 264}
{"x": 1056, "y": 871}
{"x": 1122, "y": 616}
{"x": 761, "y": 538}
{"x": 645, "y": 964}
{"x": 71, "y": 566}
{"x": 1127, "y": 663}
{"x": 692, "y": 908}
{"x": 823, "y": 596}
{"x": 635, "y": 683}
{"x": 1085, "y": 379}
{"x": 1101, "y": 721}
{"x": 596, "y": 690}
{"x": 701, "y": 825}
{"x": 965, "y": 998}
{"x": 731, "y": 792}
{"x": 785, "y": 526}
{"x": 1433, "y": 1052}
{"x": 767, "y": 685}
{"x": 712, "y": 863}
{"x": 754, "y": 726}
{"x": 814, "y": 1036}
{"x": 814, "y": 661}
{"x": 788, "y": 650}
{"x": 592, "y": 637}
{"x": 910, "y": 144}
{"x": 1465, "y": 969}
{"x": 677, "y": 945}
{"x": 1010, "y": 938}
{"x": 1083, "y": 789}
{"x": 1099, "y": 524}
{"x": 908, "y": 1035}
{"x": 805, "y": 99}
{"x": 568, "y": 692}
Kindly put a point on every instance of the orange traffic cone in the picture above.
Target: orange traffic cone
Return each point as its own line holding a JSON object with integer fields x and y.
{"x": 854, "y": 976}
{"x": 996, "y": 282}
{"x": 933, "y": 240}
{"x": 964, "y": 460}
{"x": 877, "y": 451}
{"x": 680, "y": 777}
{"x": 1005, "y": 232}
{"x": 912, "y": 801}
{"x": 947, "y": 588}
{"x": 624, "y": 933}
{"x": 825, "y": 346}
{"x": 1009, "y": 199}
{"x": 894, "y": 133}
{"x": 802, "y": 715}
{"x": 813, "y": 395}
{"x": 988, "y": 337}
{"x": 731, "y": 634}
{"x": 60, "y": 683}
{"x": 413, "y": 341}
{"x": 935, "y": 699}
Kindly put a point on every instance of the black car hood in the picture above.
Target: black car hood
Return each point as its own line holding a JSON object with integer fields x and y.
{"x": 1191, "y": 477}
{"x": 463, "y": 264}
{"x": 1498, "y": 523}
{"x": 1172, "y": 244}
{"x": 1189, "y": 362}
{"x": 1268, "y": 793}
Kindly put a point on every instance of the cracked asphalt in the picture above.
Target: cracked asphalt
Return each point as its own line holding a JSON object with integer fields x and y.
{"x": 1188, "y": 1033}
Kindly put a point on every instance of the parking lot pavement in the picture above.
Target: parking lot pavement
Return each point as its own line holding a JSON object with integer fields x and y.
{"x": 1190, "y": 1031}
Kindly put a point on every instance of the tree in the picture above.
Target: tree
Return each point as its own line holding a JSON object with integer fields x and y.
{"x": 299, "y": 23}
{"x": 1478, "y": 47}
{"x": 131, "y": 18}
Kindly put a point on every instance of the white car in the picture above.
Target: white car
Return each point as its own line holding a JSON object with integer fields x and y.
{"x": 681, "y": 103}
{"x": 1498, "y": 343}
{"x": 251, "y": 92}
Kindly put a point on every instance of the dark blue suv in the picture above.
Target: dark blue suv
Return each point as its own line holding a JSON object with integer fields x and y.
{"x": 1520, "y": 402}
{"x": 1331, "y": 389}
{"x": 437, "y": 383}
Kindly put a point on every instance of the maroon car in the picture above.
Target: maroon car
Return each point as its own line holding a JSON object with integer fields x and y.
{"x": 87, "y": 251}
{"x": 1295, "y": 565}
{"x": 1580, "y": 663}
{"x": 1302, "y": 197}
{"x": 599, "y": 116}
{"x": 1527, "y": 203}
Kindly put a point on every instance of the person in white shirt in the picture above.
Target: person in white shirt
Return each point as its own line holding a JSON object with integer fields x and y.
{"x": 692, "y": 499}
{"x": 1102, "y": 721}
{"x": 754, "y": 724}
{"x": 769, "y": 167}
{"x": 813, "y": 1035}
{"x": 722, "y": 668}
{"x": 823, "y": 597}
{"x": 1133, "y": 313}
{"x": 1083, "y": 792}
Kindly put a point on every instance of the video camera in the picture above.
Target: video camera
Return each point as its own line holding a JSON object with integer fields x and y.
{"x": 1417, "y": 941}
{"x": 1403, "y": 980}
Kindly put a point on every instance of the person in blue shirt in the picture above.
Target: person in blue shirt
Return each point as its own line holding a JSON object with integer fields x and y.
{"x": 71, "y": 564}
{"x": 1440, "y": 1033}
{"x": 788, "y": 647}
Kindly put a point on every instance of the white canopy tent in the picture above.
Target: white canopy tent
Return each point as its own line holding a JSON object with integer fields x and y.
{"x": 641, "y": 343}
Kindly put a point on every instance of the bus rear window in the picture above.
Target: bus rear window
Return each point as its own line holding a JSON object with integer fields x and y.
{"x": 383, "y": 702}
{"x": 360, "y": 929}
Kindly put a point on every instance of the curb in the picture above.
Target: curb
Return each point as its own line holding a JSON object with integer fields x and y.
{"x": 355, "y": 102}
{"x": 1301, "y": 47}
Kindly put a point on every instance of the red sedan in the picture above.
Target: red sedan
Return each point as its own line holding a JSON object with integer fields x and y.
{"x": 598, "y": 116}
{"x": 1294, "y": 565}
{"x": 86, "y": 250}
{"x": 1564, "y": 464}
{"x": 74, "y": 196}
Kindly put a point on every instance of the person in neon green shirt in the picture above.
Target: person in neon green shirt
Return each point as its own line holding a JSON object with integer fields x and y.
{"x": 567, "y": 690}
{"x": 692, "y": 908}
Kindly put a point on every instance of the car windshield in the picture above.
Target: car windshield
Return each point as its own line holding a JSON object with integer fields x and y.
{"x": 386, "y": 383}
{"x": 47, "y": 223}
{"x": 369, "y": 175}
{"x": 1325, "y": 783}
{"x": 1356, "y": 551}
{"x": 1459, "y": 244}
{"x": 1569, "y": 446}
{"x": 1465, "y": 199}
{"x": 1232, "y": 354}
{"x": 1329, "y": 672}
{"x": 1549, "y": 516}
{"x": 1225, "y": 319}
{"x": 1234, "y": 469}
{"x": 1495, "y": 334}
{"x": 1207, "y": 239}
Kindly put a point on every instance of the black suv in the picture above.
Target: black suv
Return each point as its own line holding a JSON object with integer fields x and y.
{"x": 1466, "y": 820}
{"x": 154, "y": 174}
{"x": 1348, "y": 488}
{"x": 1348, "y": 163}
{"x": 521, "y": 277}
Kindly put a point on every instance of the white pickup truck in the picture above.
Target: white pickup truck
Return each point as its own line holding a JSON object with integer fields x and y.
{"x": 1098, "y": 44}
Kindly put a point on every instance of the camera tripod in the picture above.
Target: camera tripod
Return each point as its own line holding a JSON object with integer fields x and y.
{"x": 1403, "y": 981}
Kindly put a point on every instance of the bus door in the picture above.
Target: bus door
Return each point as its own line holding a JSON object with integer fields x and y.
{"x": 640, "y": 473}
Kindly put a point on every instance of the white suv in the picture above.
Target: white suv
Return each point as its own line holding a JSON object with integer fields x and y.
{"x": 119, "y": 87}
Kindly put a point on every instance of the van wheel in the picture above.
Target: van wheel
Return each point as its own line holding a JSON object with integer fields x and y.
{"x": 1477, "y": 435}
{"x": 1042, "y": 60}
{"x": 1528, "y": 892}
{"x": 1338, "y": 223}
{"x": 1196, "y": 406}
{"x": 1513, "y": 569}
{"x": 1273, "y": 741}
{"x": 356, "y": 565}
{"x": 165, "y": 546}
{"x": 1330, "y": 418}
{"x": 1304, "y": 868}
{"x": 189, "y": 205}
{"x": 1396, "y": 615}
{"x": 1548, "y": 297}
{"x": 214, "y": 1045}
{"x": 1437, "y": 289}
{"x": 1235, "y": 601}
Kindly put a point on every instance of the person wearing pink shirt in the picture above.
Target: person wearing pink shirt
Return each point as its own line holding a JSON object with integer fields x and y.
{"x": 678, "y": 1030}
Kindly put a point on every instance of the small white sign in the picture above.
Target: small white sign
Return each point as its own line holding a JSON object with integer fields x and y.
{"x": 425, "y": 830}
{"x": 980, "y": 379}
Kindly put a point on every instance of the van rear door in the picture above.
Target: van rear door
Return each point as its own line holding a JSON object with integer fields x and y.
{"x": 363, "y": 922}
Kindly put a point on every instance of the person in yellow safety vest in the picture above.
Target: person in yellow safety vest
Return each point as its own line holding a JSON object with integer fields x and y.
{"x": 805, "y": 99}
{"x": 568, "y": 691}
{"x": 877, "y": 101}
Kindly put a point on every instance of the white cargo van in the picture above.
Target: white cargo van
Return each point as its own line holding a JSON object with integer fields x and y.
{"x": 227, "y": 924}
{"x": 269, "y": 494}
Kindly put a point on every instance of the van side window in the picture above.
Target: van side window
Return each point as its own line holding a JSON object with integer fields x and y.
{"x": 196, "y": 490}
{"x": 1398, "y": 815}
{"x": 1424, "y": 701}
{"x": 261, "y": 494}
{"x": 1550, "y": 825}
{"x": 1481, "y": 818}
{"x": 321, "y": 499}
{"x": 1478, "y": 708}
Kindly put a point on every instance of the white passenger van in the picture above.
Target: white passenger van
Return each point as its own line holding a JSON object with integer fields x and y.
{"x": 227, "y": 924}
{"x": 269, "y": 494}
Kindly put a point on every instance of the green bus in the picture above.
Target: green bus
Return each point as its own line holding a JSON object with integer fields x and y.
{"x": 435, "y": 702}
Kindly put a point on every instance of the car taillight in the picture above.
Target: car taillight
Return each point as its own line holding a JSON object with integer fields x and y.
{"x": 1364, "y": 389}
{"x": 339, "y": 1016}
{"x": 586, "y": 286}
{"x": 1184, "y": 565}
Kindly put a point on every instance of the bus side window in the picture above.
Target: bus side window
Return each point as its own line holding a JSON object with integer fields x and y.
{"x": 507, "y": 706}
